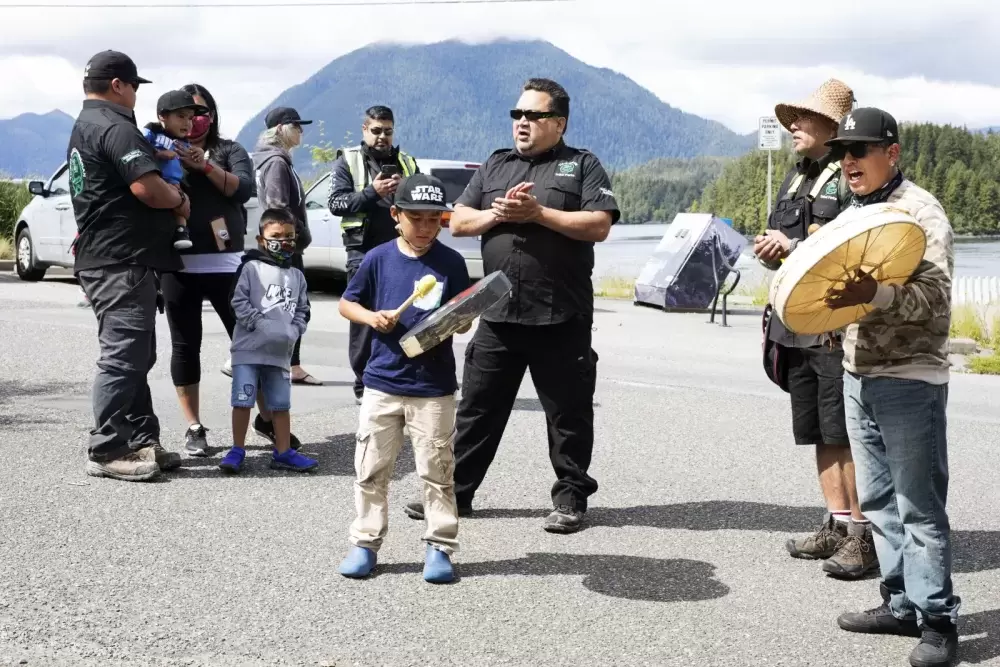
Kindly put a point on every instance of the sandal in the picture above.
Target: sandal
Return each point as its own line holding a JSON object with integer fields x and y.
{"x": 307, "y": 379}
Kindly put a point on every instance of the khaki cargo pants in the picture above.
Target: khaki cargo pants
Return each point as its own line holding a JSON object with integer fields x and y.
{"x": 431, "y": 424}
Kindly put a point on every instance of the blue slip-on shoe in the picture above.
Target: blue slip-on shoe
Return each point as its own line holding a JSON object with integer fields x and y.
{"x": 438, "y": 568}
{"x": 292, "y": 460}
{"x": 358, "y": 563}
{"x": 233, "y": 460}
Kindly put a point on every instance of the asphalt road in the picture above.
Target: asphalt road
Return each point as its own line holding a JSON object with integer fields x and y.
{"x": 682, "y": 561}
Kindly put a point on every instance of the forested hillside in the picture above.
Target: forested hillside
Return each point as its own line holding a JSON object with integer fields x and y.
{"x": 660, "y": 189}
{"x": 960, "y": 168}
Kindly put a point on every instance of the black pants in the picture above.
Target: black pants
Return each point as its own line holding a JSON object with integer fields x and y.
{"x": 359, "y": 346}
{"x": 183, "y": 294}
{"x": 564, "y": 370}
{"x": 297, "y": 350}
{"x": 124, "y": 301}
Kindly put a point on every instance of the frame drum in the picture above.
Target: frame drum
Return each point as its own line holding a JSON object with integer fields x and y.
{"x": 882, "y": 239}
{"x": 462, "y": 309}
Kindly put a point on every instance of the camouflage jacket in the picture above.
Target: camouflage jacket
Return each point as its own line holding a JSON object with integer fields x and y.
{"x": 912, "y": 329}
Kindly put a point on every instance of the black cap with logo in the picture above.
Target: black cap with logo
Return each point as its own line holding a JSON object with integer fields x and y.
{"x": 113, "y": 65}
{"x": 175, "y": 100}
{"x": 283, "y": 116}
{"x": 421, "y": 192}
{"x": 866, "y": 125}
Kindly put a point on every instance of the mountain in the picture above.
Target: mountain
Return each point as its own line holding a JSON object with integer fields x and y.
{"x": 34, "y": 144}
{"x": 451, "y": 101}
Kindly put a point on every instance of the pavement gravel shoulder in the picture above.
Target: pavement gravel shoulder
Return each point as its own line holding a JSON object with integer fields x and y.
{"x": 682, "y": 561}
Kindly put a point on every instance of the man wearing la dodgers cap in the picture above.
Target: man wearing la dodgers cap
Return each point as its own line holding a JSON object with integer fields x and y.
{"x": 418, "y": 393}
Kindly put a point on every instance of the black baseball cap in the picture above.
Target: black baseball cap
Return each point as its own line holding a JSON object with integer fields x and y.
{"x": 175, "y": 100}
{"x": 283, "y": 116}
{"x": 113, "y": 65}
{"x": 866, "y": 125}
{"x": 421, "y": 192}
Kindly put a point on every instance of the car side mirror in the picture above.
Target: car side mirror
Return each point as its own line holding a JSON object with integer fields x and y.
{"x": 37, "y": 188}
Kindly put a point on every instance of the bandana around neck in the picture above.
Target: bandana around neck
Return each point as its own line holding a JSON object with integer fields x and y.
{"x": 880, "y": 195}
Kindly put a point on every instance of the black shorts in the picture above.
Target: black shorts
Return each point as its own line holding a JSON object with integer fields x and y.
{"x": 816, "y": 385}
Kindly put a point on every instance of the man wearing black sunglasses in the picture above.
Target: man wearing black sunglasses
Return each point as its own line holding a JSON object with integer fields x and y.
{"x": 125, "y": 216}
{"x": 365, "y": 178}
{"x": 895, "y": 395}
{"x": 540, "y": 208}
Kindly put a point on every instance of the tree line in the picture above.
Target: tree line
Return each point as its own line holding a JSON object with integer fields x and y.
{"x": 959, "y": 167}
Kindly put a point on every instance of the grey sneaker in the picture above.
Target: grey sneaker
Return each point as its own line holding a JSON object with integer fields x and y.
{"x": 164, "y": 459}
{"x": 564, "y": 519}
{"x": 822, "y": 544}
{"x": 879, "y": 621}
{"x": 137, "y": 466}
{"x": 416, "y": 510}
{"x": 938, "y": 644}
{"x": 855, "y": 555}
{"x": 197, "y": 443}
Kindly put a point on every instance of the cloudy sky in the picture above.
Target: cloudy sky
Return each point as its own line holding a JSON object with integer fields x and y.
{"x": 729, "y": 60}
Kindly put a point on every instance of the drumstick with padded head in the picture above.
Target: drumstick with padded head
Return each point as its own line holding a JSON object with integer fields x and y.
{"x": 423, "y": 288}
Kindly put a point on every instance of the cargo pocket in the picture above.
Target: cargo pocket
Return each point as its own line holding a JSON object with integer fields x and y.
{"x": 565, "y": 195}
{"x": 362, "y": 451}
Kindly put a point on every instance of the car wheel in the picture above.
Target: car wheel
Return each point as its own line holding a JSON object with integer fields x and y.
{"x": 27, "y": 267}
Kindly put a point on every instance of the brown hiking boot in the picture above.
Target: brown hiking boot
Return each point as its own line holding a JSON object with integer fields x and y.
{"x": 822, "y": 544}
{"x": 855, "y": 555}
{"x": 137, "y": 466}
{"x": 166, "y": 460}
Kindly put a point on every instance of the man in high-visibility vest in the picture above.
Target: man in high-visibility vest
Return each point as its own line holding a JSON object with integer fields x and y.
{"x": 810, "y": 368}
{"x": 365, "y": 178}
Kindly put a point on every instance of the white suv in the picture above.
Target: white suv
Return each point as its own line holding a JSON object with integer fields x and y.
{"x": 46, "y": 228}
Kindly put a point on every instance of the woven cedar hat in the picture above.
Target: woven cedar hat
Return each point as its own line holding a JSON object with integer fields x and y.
{"x": 833, "y": 100}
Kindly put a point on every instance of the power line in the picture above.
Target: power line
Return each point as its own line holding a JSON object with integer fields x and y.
{"x": 244, "y": 5}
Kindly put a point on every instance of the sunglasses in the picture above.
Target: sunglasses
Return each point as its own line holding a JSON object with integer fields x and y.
{"x": 379, "y": 131}
{"x": 857, "y": 149}
{"x": 518, "y": 114}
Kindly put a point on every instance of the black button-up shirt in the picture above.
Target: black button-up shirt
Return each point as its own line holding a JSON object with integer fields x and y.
{"x": 550, "y": 273}
{"x": 106, "y": 154}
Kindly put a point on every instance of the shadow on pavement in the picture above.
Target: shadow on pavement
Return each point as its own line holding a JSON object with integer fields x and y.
{"x": 974, "y": 550}
{"x": 628, "y": 577}
{"x": 16, "y": 416}
{"x": 979, "y": 649}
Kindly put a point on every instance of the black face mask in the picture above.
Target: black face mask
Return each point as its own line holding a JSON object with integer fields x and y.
{"x": 881, "y": 195}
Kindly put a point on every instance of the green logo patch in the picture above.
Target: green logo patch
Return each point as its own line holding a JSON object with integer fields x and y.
{"x": 831, "y": 188}
{"x": 566, "y": 168}
{"x": 77, "y": 174}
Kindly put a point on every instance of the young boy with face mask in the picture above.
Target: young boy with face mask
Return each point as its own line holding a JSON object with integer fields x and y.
{"x": 417, "y": 394}
{"x": 270, "y": 305}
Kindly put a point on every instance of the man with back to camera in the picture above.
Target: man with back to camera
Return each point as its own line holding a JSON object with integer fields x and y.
{"x": 365, "y": 178}
{"x": 125, "y": 216}
{"x": 540, "y": 208}
{"x": 813, "y": 194}
{"x": 896, "y": 397}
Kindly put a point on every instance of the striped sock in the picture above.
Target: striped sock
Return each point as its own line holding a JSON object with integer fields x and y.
{"x": 842, "y": 516}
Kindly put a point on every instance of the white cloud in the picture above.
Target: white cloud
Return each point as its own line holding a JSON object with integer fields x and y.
{"x": 729, "y": 60}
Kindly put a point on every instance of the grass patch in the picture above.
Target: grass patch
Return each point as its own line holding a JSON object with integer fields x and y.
{"x": 968, "y": 322}
{"x": 13, "y": 198}
{"x": 758, "y": 292}
{"x": 987, "y": 364}
{"x": 615, "y": 287}
{"x": 6, "y": 248}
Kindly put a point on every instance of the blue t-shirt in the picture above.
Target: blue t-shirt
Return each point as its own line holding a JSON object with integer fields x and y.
{"x": 384, "y": 281}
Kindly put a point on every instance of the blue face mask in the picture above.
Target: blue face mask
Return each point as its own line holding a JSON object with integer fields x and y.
{"x": 280, "y": 250}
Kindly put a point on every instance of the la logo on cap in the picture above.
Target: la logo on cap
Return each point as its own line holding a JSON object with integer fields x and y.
{"x": 427, "y": 193}
{"x": 849, "y": 123}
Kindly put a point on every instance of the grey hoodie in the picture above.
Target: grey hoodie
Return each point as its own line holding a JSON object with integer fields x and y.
{"x": 269, "y": 301}
{"x": 278, "y": 186}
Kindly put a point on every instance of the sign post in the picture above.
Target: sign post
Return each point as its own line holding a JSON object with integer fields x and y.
{"x": 769, "y": 139}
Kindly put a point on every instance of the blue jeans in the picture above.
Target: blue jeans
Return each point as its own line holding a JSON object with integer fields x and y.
{"x": 898, "y": 432}
{"x": 273, "y": 382}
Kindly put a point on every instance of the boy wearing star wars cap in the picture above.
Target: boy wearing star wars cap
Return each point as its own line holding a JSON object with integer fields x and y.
{"x": 417, "y": 394}
{"x": 175, "y": 110}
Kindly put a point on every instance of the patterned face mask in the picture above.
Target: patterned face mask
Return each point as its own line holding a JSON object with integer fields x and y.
{"x": 280, "y": 249}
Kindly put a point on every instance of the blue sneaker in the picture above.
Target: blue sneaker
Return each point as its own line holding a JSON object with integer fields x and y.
{"x": 292, "y": 460}
{"x": 233, "y": 460}
{"x": 358, "y": 563}
{"x": 438, "y": 568}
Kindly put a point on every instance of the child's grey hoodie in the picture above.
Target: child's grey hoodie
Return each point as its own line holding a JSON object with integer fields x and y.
{"x": 269, "y": 301}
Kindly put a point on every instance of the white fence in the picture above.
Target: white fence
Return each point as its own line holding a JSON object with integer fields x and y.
{"x": 975, "y": 290}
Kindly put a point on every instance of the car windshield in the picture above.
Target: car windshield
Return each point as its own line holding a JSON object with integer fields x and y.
{"x": 454, "y": 181}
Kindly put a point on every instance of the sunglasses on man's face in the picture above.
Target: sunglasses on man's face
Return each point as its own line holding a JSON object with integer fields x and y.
{"x": 379, "y": 131}
{"x": 857, "y": 149}
{"x": 518, "y": 114}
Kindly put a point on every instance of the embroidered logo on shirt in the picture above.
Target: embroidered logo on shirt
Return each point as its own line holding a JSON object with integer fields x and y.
{"x": 607, "y": 193}
{"x": 131, "y": 155}
{"x": 278, "y": 296}
{"x": 77, "y": 173}
{"x": 566, "y": 169}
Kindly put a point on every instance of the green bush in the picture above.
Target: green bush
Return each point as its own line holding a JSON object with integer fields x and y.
{"x": 13, "y": 198}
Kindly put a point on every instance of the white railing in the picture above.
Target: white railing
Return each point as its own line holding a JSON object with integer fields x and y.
{"x": 975, "y": 290}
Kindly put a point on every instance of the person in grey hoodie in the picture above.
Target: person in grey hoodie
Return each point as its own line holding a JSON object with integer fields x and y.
{"x": 279, "y": 186}
{"x": 271, "y": 309}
